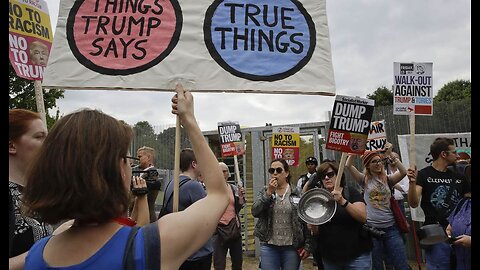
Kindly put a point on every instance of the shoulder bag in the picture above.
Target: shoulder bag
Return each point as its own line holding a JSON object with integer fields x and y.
{"x": 400, "y": 218}
{"x": 231, "y": 231}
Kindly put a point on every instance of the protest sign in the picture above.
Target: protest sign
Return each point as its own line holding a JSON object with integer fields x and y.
{"x": 286, "y": 144}
{"x": 350, "y": 124}
{"x": 231, "y": 139}
{"x": 377, "y": 137}
{"x": 30, "y": 37}
{"x": 412, "y": 88}
{"x": 251, "y": 46}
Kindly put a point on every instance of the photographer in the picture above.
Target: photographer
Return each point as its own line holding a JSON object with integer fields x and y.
{"x": 146, "y": 156}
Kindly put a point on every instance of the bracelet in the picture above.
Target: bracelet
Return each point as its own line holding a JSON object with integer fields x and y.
{"x": 345, "y": 204}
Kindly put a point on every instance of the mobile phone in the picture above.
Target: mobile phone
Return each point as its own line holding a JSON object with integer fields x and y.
{"x": 452, "y": 239}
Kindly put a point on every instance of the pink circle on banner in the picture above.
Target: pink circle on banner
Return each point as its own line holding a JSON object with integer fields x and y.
{"x": 123, "y": 37}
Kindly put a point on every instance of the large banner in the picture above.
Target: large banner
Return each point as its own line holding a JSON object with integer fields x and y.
{"x": 463, "y": 142}
{"x": 286, "y": 144}
{"x": 253, "y": 46}
{"x": 350, "y": 124}
{"x": 412, "y": 88}
{"x": 30, "y": 37}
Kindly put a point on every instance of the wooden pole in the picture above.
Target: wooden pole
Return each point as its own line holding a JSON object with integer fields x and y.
{"x": 176, "y": 172}
{"x": 340, "y": 170}
{"x": 39, "y": 99}
{"x": 237, "y": 171}
{"x": 412, "y": 150}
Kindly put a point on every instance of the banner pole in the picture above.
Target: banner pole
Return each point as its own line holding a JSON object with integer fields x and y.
{"x": 176, "y": 172}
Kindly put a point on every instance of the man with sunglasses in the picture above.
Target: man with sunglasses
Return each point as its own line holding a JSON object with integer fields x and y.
{"x": 440, "y": 190}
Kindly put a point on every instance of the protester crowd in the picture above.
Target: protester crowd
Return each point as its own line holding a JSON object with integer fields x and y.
{"x": 87, "y": 182}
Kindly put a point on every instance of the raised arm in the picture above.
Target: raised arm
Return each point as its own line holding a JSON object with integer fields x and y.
{"x": 414, "y": 191}
{"x": 400, "y": 173}
{"x": 182, "y": 233}
{"x": 357, "y": 175}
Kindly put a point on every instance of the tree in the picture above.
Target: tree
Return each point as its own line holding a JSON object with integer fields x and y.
{"x": 382, "y": 96}
{"x": 22, "y": 96}
{"x": 144, "y": 135}
{"x": 454, "y": 90}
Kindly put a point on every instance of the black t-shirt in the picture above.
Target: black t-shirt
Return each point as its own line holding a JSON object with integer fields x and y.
{"x": 435, "y": 188}
{"x": 341, "y": 239}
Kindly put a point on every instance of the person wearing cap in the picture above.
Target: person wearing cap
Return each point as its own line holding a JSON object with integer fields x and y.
{"x": 311, "y": 163}
{"x": 376, "y": 193}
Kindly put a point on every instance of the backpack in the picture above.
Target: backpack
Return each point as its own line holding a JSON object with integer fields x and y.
{"x": 164, "y": 209}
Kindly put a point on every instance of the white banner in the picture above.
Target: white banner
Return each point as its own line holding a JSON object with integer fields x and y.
{"x": 254, "y": 46}
{"x": 423, "y": 142}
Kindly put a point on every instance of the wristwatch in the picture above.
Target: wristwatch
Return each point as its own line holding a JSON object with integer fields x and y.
{"x": 345, "y": 204}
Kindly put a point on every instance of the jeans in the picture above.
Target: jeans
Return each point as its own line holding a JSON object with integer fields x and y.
{"x": 438, "y": 256}
{"x": 389, "y": 245}
{"x": 362, "y": 262}
{"x": 220, "y": 253}
{"x": 278, "y": 257}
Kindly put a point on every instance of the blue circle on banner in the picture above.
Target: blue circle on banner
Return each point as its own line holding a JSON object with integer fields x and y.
{"x": 259, "y": 40}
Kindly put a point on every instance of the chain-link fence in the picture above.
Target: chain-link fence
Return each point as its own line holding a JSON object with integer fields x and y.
{"x": 448, "y": 117}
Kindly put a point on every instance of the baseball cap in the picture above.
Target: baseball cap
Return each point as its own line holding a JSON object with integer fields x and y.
{"x": 312, "y": 160}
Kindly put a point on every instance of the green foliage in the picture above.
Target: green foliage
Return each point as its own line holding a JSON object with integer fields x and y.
{"x": 22, "y": 96}
{"x": 454, "y": 90}
{"x": 382, "y": 96}
{"x": 163, "y": 143}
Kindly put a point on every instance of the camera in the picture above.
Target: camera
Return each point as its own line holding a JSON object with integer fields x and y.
{"x": 373, "y": 231}
{"x": 150, "y": 175}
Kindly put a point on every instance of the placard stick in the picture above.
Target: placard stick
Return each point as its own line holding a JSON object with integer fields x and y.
{"x": 237, "y": 171}
{"x": 176, "y": 168}
{"x": 412, "y": 150}
{"x": 340, "y": 170}
{"x": 39, "y": 99}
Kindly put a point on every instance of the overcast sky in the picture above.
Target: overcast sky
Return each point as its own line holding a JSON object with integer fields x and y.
{"x": 366, "y": 37}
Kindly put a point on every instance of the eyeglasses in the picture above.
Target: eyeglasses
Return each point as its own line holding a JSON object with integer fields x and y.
{"x": 273, "y": 170}
{"x": 377, "y": 161}
{"x": 329, "y": 175}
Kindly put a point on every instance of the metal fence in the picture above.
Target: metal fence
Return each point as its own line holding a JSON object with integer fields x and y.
{"x": 448, "y": 117}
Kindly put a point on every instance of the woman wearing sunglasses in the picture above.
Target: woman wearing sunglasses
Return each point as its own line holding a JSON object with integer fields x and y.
{"x": 341, "y": 241}
{"x": 376, "y": 188}
{"x": 284, "y": 237}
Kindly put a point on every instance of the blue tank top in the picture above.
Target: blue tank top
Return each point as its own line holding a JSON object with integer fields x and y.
{"x": 109, "y": 256}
